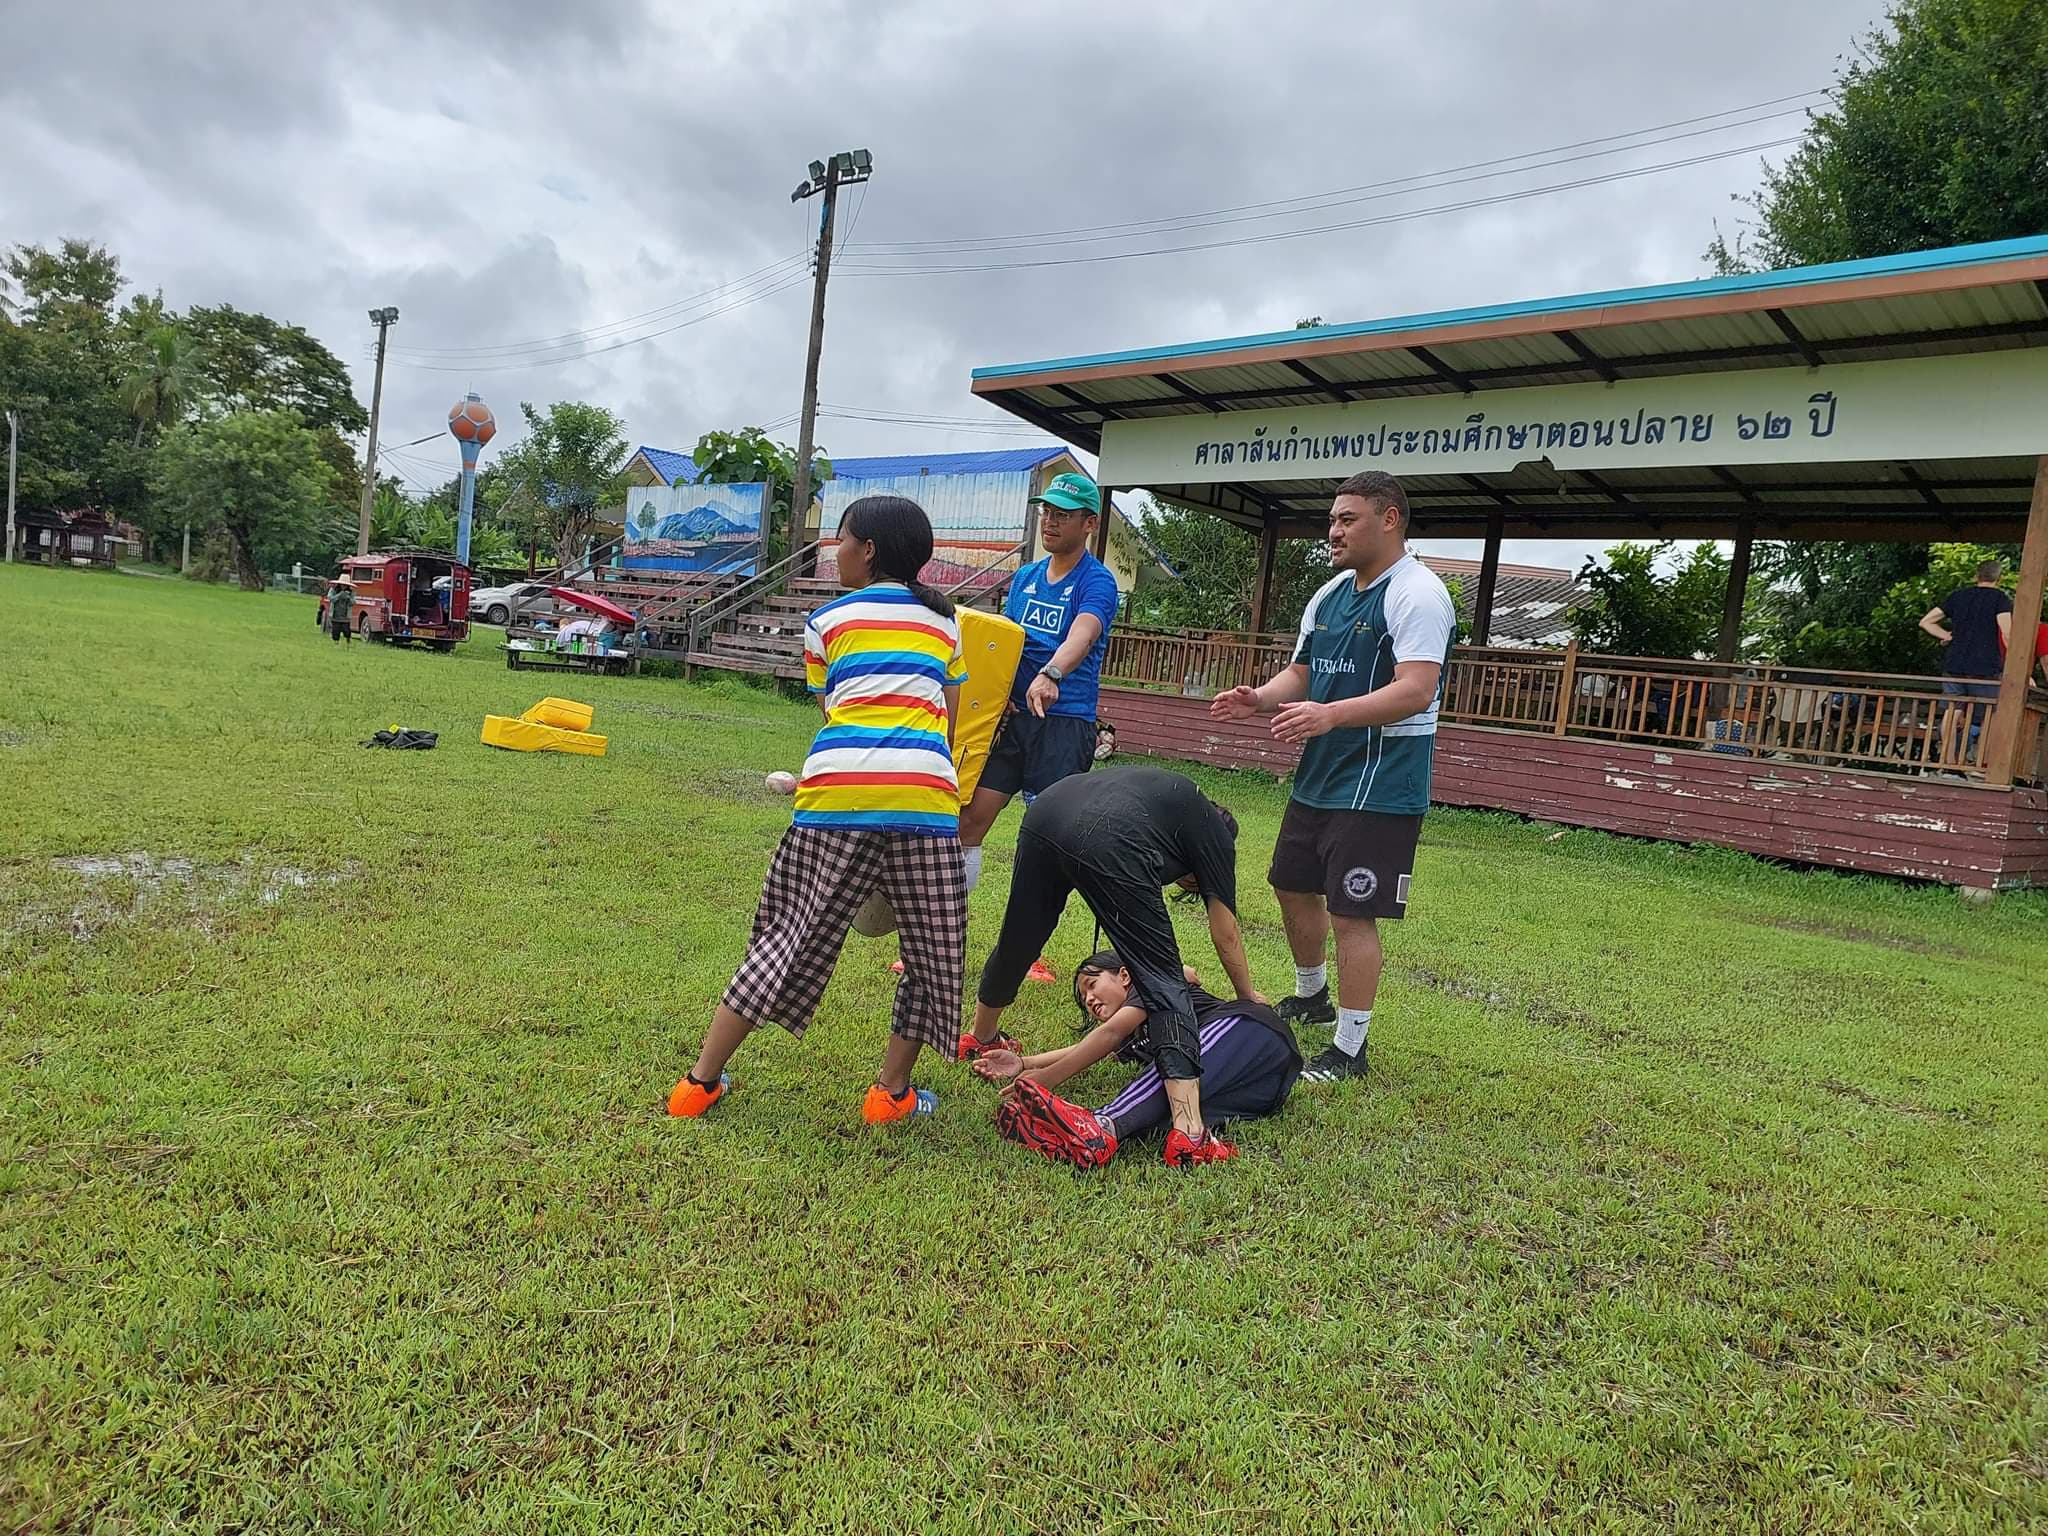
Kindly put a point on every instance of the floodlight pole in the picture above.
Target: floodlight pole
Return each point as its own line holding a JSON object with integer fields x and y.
{"x": 13, "y": 441}
{"x": 383, "y": 320}
{"x": 840, "y": 170}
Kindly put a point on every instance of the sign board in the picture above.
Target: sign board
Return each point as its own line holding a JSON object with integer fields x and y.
{"x": 1982, "y": 405}
{"x": 694, "y": 528}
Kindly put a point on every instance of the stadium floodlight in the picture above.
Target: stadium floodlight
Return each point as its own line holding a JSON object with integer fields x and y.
{"x": 863, "y": 161}
{"x": 803, "y": 190}
{"x": 817, "y": 170}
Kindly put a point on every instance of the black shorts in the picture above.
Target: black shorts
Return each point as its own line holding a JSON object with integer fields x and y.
{"x": 1359, "y": 862}
{"x": 1033, "y": 754}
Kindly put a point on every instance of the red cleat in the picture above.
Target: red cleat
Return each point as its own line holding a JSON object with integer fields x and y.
{"x": 1061, "y": 1132}
{"x": 1183, "y": 1151}
{"x": 1040, "y": 971}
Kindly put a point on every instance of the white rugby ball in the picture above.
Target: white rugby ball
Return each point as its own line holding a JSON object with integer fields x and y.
{"x": 782, "y": 783}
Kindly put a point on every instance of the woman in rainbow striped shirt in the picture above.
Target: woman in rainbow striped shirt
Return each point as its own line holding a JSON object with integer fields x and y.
{"x": 877, "y": 808}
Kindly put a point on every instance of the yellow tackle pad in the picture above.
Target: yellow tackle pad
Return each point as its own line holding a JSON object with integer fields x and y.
{"x": 992, "y": 646}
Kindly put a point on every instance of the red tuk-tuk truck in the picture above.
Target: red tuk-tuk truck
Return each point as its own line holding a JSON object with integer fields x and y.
{"x": 407, "y": 595}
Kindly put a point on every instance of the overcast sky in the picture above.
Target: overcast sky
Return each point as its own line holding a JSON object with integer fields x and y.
{"x": 525, "y": 170}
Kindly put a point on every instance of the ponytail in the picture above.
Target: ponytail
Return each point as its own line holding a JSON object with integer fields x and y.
{"x": 902, "y": 536}
{"x": 932, "y": 598}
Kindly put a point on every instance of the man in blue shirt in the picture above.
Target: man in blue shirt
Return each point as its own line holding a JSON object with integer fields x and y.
{"x": 1065, "y": 604}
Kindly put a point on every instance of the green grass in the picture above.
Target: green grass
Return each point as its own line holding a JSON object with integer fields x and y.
{"x": 1686, "y": 1193}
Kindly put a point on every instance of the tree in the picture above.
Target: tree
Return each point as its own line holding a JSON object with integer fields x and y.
{"x": 572, "y": 462}
{"x": 1633, "y": 611}
{"x": 1218, "y": 566}
{"x": 61, "y": 364}
{"x": 250, "y": 362}
{"x": 258, "y": 476}
{"x": 73, "y": 286}
{"x": 1938, "y": 135}
{"x": 161, "y": 381}
{"x": 747, "y": 457}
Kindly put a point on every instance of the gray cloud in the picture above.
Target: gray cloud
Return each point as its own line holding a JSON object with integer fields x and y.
{"x": 525, "y": 170}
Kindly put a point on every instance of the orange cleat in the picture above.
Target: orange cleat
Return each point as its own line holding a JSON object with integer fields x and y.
{"x": 879, "y": 1108}
{"x": 1040, "y": 971}
{"x": 690, "y": 1098}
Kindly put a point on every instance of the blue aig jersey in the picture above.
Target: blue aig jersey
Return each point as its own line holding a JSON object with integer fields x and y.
{"x": 1046, "y": 610}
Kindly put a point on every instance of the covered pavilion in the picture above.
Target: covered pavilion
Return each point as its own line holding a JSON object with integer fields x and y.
{"x": 1904, "y": 398}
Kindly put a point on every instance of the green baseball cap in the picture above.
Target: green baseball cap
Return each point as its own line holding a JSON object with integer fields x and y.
{"x": 1077, "y": 493}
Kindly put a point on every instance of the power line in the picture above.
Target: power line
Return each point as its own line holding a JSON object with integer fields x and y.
{"x": 1341, "y": 195}
{"x": 513, "y": 365}
{"x": 598, "y": 332}
{"x": 854, "y": 222}
{"x": 1323, "y": 229}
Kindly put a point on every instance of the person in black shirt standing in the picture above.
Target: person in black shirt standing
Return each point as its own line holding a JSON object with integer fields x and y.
{"x": 1971, "y": 657}
{"x": 1119, "y": 837}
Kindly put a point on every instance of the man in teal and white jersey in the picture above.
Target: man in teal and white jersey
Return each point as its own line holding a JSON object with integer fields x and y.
{"x": 1361, "y": 699}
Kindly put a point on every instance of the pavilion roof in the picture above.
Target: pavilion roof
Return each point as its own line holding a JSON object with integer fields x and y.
{"x": 1924, "y": 304}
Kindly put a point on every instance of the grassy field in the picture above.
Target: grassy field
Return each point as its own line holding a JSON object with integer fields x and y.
{"x": 1686, "y": 1193}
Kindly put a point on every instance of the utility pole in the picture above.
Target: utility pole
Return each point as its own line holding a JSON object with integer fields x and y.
{"x": 13, "y": 440}
{"x": 845, "y": 169}
{"x": 383, "y": 319}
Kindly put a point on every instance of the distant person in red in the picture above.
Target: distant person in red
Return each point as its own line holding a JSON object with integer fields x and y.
{"x": 2040, "y": 643}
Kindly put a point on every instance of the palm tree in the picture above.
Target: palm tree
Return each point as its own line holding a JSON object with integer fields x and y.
{"x": 163, "y": 381}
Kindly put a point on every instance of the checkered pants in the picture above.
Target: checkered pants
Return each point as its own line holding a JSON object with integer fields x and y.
{"x": 816, "y": 883}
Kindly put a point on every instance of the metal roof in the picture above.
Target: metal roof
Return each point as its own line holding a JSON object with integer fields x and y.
{"x": 674, "y": 468}
{"x": 680, "y": 469}
{"x": 992, "y": 462}
{"x": 1920, "y": 304}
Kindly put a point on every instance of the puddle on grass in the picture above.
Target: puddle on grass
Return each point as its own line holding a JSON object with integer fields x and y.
{"x": 150, "y": 881}
{"x": 1851, "y": 934}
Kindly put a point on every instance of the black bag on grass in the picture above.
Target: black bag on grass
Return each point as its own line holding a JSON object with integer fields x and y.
{"x": 405, "y": 741}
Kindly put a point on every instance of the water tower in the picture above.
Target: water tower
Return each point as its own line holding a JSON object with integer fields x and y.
{"x": 473, "y": 425}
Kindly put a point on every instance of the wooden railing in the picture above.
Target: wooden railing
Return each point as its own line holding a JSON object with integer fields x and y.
{"x": 1848, "y": 719}
{"x": 1871, "y": 720}
{"x": 1197, "y": 662}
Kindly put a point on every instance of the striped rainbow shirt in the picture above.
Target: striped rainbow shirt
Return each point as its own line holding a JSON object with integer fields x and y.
{"x": 883, "y": 662}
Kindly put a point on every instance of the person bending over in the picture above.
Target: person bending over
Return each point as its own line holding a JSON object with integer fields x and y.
{"x": 1119, "y": 837}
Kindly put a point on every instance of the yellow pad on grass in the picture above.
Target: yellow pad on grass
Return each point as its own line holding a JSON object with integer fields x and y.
{"x": 563, "y": 714}
{"x": 532, "y": 736}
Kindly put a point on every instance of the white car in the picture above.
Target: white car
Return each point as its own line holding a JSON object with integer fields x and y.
{"x": 523, "y": 600}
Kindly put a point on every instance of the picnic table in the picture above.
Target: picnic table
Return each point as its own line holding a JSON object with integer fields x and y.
{"x": 538, "y": 656}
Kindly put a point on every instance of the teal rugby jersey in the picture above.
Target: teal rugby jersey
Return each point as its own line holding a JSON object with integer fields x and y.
{"x": 1350, "y": 642}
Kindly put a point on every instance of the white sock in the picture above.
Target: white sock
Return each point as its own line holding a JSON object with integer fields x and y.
{"x": 970, "y": 859}
{"x": 1352, "y": 1024}
{"x": 1310, "y": 979}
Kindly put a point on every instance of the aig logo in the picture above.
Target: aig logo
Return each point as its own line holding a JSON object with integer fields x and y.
{"x": 1043, "y": 615}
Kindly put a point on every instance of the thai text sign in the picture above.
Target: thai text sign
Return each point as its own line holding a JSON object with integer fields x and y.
{"x": 1979, "y": 406}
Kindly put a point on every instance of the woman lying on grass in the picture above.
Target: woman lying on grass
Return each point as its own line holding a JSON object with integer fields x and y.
{"x": 1249, "y": 1064}
{"x": 877, "y": 808}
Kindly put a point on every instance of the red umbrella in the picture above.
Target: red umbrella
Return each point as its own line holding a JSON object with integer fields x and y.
{"x": 603, "y": 607}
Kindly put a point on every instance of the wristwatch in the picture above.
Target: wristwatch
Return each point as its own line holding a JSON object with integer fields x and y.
{"x": 1051, "y": 671}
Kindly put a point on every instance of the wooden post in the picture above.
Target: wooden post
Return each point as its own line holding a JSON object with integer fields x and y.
{"x": 2002, "y": 743}
{"x": 1489, "y": 578}
{"x": 1566, "y": 682}
{"x": 1262, "y": 593}
{"x": 1102, "y": 524}
{"x": 1738, "y": 589}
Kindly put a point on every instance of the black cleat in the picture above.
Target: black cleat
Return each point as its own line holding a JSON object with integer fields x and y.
{"x": 1333, "y": 1066}
{"x": 1299, "y": 1010}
